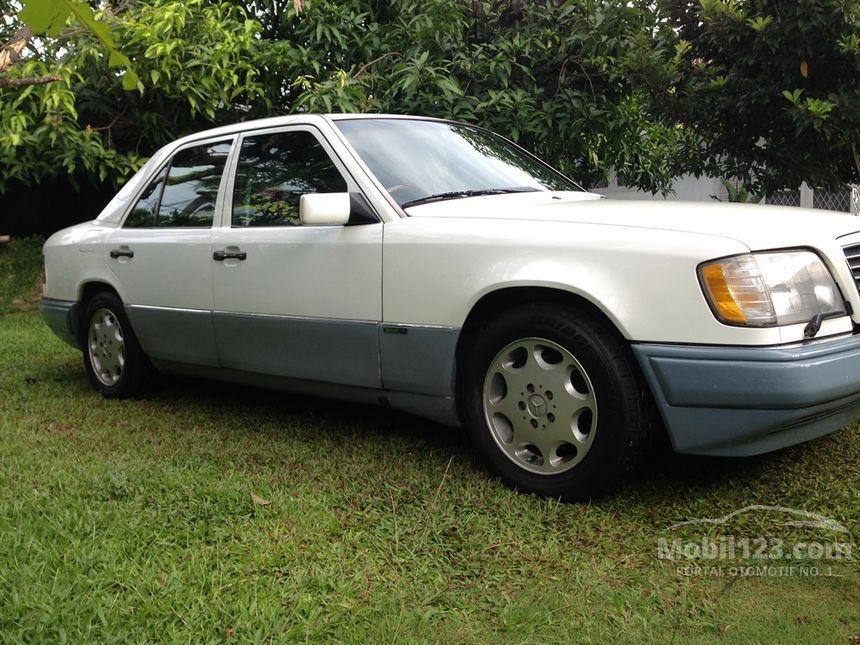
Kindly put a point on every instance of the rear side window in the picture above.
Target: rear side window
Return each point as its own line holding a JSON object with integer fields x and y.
{"x": 274, "y": 171}
{"x": 144, "y": 212}
{"x": 185, "y": 195}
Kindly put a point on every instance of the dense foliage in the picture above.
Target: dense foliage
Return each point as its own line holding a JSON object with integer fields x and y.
{"x": 565, "y": 81}
{"x": 196, "y": 62}
{"x": 771, "y": 87}
{"x": 748, "y": 89}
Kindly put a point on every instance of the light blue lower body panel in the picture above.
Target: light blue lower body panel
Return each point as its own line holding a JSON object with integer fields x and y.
{"x": 418, "y": 359}
{"x": 172, "y": 334}
{"x": 345, "y": 352}
{"x": 61, "y": 316}
{"x": 737, "y": 401}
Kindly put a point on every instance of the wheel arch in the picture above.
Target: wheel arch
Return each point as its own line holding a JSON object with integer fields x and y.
{"x": 496, "y": 302}
{"x": 87, "y": 290}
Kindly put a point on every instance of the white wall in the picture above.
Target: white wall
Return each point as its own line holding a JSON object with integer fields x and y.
{"x": 690, "y": 188}
{"x": 686, "y": 187}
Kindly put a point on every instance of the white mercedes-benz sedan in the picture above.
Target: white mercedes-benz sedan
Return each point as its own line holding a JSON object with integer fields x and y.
{"x": 438, "y": 268}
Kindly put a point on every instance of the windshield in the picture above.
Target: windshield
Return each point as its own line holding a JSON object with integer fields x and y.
{"x": 422, "y": 161}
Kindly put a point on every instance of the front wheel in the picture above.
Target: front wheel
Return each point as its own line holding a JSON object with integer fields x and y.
{"x": 115, "y": 363}
{"x": 554, "y": 403}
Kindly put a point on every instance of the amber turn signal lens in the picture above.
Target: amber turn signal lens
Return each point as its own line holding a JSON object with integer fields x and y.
{"x": 721, "y": 295}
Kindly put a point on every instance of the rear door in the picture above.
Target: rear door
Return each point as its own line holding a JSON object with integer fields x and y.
{"x": 162, "y": 255}
{"x": 293, "y": 300}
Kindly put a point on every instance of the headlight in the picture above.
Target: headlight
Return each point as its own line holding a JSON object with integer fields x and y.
{"x": 767, "y": 289}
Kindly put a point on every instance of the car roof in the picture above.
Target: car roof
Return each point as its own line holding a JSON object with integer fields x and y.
{"x": 304, "y": 117}
{"x": 113, "y": 211}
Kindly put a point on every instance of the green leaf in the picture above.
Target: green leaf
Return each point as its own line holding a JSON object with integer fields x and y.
{"x": 131, "y": 81}
{"x": 50, "y": 16}
{"x": 44, "y": 15}
{"x": 794, "y": 96}
{"x": 759, "y": 24}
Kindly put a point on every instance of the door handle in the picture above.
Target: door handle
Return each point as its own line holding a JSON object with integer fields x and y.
{"x": 121, "y": 253}
{"x": 220, "y": 256}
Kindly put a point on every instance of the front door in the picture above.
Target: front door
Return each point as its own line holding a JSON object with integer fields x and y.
{"x": 292, "y": 300}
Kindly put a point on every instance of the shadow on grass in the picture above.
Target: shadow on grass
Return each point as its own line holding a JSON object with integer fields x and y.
{"x": 689, "y": 475}
{"x": 240, "y": 414}
{"x": 286, "y": 408}
{"x": 698, "y": 471}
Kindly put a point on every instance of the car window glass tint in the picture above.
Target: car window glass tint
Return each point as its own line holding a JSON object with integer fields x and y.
{"x": 192, "y": 184}
{"x": 274, "y": 171}
{"x": 143, "y": 213}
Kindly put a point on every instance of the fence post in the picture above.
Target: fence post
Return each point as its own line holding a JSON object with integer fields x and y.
{"x": 806, "y": 196}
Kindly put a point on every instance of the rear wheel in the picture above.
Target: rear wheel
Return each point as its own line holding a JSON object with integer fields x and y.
{"x": 115, "y": 363}
{"x": 555, "y": 404}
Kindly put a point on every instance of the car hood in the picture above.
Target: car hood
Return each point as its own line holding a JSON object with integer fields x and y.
{"x": 757, "y": 226}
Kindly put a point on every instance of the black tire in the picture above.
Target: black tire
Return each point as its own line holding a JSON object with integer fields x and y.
{"x": 115, "y": 362}
{"x": 591, "y": 451}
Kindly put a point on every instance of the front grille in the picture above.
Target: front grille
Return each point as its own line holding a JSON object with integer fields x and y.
{"x": 852, "y": 254}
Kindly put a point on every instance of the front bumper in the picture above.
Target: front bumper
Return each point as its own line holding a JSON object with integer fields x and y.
{"x": 739, "y": 401}
{"x": 62, "y": 318}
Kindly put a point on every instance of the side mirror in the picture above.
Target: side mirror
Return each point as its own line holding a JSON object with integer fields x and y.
{"x": 360, "y": 211}
{"x": 324, "y": 209}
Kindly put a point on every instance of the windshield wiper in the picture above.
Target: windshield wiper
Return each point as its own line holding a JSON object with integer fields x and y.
{"x": 457, "y": 194}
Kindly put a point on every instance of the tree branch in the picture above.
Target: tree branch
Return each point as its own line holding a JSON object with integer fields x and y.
{"x": 11, "y": 52}
{"x": 364, "y": 67}
{"x": 6, "y": 82}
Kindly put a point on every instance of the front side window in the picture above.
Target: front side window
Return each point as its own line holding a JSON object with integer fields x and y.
{"x": 274, "y": 171}
{"x": 185, "y": 194}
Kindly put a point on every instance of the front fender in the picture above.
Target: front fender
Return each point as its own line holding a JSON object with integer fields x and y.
{"x": 643, "y": 280}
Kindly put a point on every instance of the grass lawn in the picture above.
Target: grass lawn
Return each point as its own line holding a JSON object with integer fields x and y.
{"x": 208, "y": 512}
